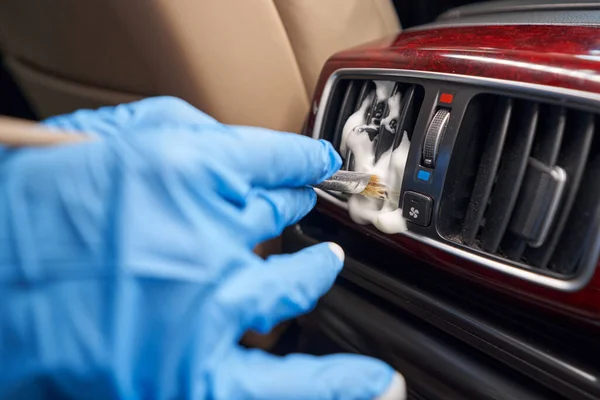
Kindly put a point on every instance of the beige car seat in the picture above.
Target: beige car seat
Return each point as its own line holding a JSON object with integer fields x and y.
{"x": 252, "y": 62}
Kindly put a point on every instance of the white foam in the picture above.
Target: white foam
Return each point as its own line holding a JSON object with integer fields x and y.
{"x": 385, "y": 215}
{"x": 355, "y": 122}
{"x": 383, "y": 89}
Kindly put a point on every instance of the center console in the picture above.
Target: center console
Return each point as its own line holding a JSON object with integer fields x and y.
{"x": 480, "y": 278}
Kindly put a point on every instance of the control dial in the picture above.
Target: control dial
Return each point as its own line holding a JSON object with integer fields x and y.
{"x": 433, "y": 137}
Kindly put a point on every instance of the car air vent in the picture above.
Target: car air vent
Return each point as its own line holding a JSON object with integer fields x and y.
{"x": 522, "y": 183}
{"x": 384, "y": 109}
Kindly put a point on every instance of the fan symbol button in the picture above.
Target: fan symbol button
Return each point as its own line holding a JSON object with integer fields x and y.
{"x": 414, "y": 212}
{"x": 416, "y": 208}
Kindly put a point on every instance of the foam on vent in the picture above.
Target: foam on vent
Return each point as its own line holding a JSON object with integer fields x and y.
{"x": 371, "y": 142}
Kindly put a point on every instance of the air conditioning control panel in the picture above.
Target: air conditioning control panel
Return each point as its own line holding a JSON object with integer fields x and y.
{"x": 501, "y": 176}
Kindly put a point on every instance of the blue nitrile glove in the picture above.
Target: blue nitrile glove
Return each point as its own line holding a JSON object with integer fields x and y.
{"x": 127, "y": 268}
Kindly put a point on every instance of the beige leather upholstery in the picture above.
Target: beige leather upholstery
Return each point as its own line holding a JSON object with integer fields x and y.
{"x": 319, "y": 28}
{"x": 251, "y": 62}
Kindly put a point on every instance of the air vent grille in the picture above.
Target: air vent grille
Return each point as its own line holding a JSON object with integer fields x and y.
{"x": 522, "y": 183}
{"x": 384, "y": 109}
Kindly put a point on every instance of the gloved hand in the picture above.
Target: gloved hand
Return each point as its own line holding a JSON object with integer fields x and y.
{"x": 127, "y": 265}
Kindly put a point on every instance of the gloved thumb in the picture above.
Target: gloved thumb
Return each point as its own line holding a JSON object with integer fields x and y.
{"x": 254, "y": 374}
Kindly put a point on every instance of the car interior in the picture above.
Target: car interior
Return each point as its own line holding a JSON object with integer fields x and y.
{"x": 479, "y": 278}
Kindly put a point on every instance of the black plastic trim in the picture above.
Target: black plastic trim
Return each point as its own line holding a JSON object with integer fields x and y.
{"x": 426, "y": 352}
{"x": 573, "y": 158}
{"x": 349, "y": 338}
{"x": 546, "y": 147}
{"x": 510, "y": 176}
{"x": 347, "y": 107}
{"x": 589, "y": 18}
{"x": 517, "y": 352}
{"x": 512, "y": 6}
{"x": 490, "y": 161}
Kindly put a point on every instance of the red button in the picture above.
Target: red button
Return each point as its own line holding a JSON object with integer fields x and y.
{"x": 446, "y": 98}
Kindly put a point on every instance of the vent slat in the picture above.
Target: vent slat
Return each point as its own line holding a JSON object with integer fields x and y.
{"x": 387, "y": 132}
{"x": 487, "y": 170}
{"x": 406, "y": 121}
{"x": 582, "y": 219}
{"x": 365, "y": 91}
{"x": 348, "y": 106}
{"x": 546, "y": 147}
{"x": 510, "y": 175}
{"x": 572, "y": 158}
{"x": 462, "y": 171}
{"x": 380, "y": 105}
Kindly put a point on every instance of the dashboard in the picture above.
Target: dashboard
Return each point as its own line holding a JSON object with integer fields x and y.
{"x": 486, "y": 129}
{"x": 540, "y": 105}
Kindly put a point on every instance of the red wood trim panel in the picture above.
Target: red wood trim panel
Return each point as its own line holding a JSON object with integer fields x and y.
{"x": 557, "y": 56}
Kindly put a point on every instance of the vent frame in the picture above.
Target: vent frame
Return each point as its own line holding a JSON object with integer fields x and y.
{"x": 347, "y": 96}
{"x": 576, "y": 99}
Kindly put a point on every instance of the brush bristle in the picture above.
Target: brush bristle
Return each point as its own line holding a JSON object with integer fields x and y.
{"x": 375, "y": 189}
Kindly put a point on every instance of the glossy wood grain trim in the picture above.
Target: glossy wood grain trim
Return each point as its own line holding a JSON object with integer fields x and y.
{"x": 562, "y": 61}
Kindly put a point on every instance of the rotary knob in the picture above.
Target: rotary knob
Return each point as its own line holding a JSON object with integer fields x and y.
{"x": 433, "y": 137}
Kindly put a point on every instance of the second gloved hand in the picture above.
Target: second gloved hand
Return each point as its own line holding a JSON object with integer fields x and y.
{"x": 128, "y": 269}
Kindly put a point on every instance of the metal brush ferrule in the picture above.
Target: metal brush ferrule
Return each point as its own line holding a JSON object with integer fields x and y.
{"x": 346, "y": 182}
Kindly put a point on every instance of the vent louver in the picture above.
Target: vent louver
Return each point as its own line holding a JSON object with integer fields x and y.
{"x": 374, "y": 101}
{"x": 522, "y": 183}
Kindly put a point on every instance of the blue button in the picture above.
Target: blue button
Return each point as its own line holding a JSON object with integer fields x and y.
{"x": 424, "y": 175}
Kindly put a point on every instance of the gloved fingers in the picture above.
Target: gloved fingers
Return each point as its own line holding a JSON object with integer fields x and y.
{"x": 275, "y": 159}
{"x": 282, "y": 287}
{"x": 110, "y": 120}
{"x": 268, "y": 212}
{"x": 254, "y": 374}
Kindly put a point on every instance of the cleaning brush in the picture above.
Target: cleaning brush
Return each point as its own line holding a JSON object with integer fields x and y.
{"x": 19, "y": 133}
{"x": 352, "y": 182}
